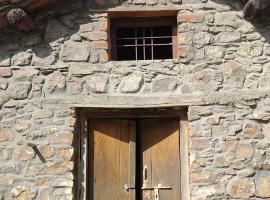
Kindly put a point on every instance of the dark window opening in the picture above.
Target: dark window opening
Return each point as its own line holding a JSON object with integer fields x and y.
{"x": 144, "y": 43}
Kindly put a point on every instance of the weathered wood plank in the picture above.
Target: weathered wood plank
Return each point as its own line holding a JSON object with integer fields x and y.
{"x": 160, "y": 151}
{"x": 109, "y": 159}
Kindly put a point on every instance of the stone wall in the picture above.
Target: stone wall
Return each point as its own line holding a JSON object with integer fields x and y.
{"x": 222, "y": 75}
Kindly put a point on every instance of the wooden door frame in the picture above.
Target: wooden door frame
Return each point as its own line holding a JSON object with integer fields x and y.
{"x": 81, "y": 142}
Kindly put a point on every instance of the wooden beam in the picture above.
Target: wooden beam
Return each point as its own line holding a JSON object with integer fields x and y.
{"x": 184, "y": 157}
{"x": 142, "y": 12}
{"x": 133, "y": 112}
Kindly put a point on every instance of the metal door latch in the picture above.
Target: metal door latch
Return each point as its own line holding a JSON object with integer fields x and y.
{"x": 156, "y": 190}
{"x": 127, "y": 188}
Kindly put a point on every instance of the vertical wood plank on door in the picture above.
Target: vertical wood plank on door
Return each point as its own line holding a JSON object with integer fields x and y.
{"x": 132, "y": 160}
{"x": 160, "y": 146}
{"x": 145, "y": 130}
{"x": 82, "y": 153}
{"x": 110, "y": 159}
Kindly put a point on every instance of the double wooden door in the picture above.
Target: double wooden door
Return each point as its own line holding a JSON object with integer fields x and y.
{"x": 134, "y": 159}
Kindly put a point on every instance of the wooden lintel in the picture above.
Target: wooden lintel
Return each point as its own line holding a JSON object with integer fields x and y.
{"x": 142, "y": 12}
{"x": 133, "y": 113}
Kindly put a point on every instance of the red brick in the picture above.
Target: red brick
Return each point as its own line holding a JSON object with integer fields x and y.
{"x": 101, "y": 45}
{"x": 190, "y": 18}
{"x": 183, "y": 52}
{"x": 86, "y": 27}
{"x": 104, "y": 56}
{"x": 104, "y": 24}
{"x": 182, "y": 39}
{"x": 98, "y": 36}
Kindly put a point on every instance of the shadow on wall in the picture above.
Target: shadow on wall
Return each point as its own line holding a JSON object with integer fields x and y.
{"x": 260, "y": 19}
{"x": 234, "y": 4}
{"x": 63, "y": 20}
{"x": 52, "y": 24}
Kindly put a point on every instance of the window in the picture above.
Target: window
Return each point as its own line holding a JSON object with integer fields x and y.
{"x": 143, "y": 38}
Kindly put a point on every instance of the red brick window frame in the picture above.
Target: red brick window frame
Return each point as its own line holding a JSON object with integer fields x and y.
{"x": 143, "y": 22}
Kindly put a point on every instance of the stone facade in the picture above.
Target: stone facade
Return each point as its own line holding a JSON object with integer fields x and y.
{"x": 222, "y": 76}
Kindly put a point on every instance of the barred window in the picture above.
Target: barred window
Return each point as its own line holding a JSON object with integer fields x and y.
{"x": 143, "y": 39}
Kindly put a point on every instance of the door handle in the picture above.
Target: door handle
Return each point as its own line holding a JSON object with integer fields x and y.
{"x": 145, "y": 175}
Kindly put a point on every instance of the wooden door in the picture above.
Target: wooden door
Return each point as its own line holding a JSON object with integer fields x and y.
{"x": 160, "y": 159}
{"x": 112, "y": 157}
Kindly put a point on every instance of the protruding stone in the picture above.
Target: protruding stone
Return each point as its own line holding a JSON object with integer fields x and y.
{"x": 262, "y": 182}
{"x": 66, "y": 153}
{"x": 132, "y": 84}
{"x": 228, "y": 37}
{"x": 6, "y": 134}
{"x": 31, "y": 170}
{"x": 245, "y": 151}
{"x": 246, "y": 172}
{"x": 56, "y": 82}
{"x": 25, "y": 74}
{"x": 205, "y": 176}
{"x": 204, "y": 191}
{"x": 75, "y": 51}
{"x": 62, "y": 193}
{"x": 227, "y": 19}
{"x": 80, "y": 69}
{"x": 221, "y": 161}
{"x": 164, "y": 84}
{"x": 62, "y": 138}
{"x": 5, "y": 154}
{"x": 234, "y": 74}
{"x": 241, "y": 188}
{"x": 4, "y": 97}
{"x": 59, "y": 167}
{"x": 97, "y": 83}
{"x": 251, "y": 49}
{"x": 215, "y": 53}
{"x": 45, "y": 194}
{"x": 19, "y": 91}
{"x": 43, "y": 114}
{"x": 264, "y": 81}
{"x": 22, "y": 126}
{"x": 46, "y": 151}
{"x": 199, "y": 144}
{"x": 24, "y": 193}
{"x": 25, "y": 154}
{"x": 3, "y": 84}
{"x": 21, "y": 59}
{"x": 76, "y": 86}
{"x": 252, "y": 131}
{"x": 201, "y": 39}
{"x": 43, "y": 57}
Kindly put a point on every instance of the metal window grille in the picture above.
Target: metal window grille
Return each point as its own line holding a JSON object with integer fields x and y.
{"x": 145, "y": 43}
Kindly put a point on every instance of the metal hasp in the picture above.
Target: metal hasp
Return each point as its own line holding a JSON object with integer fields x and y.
{"x": 156, "y": 189}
